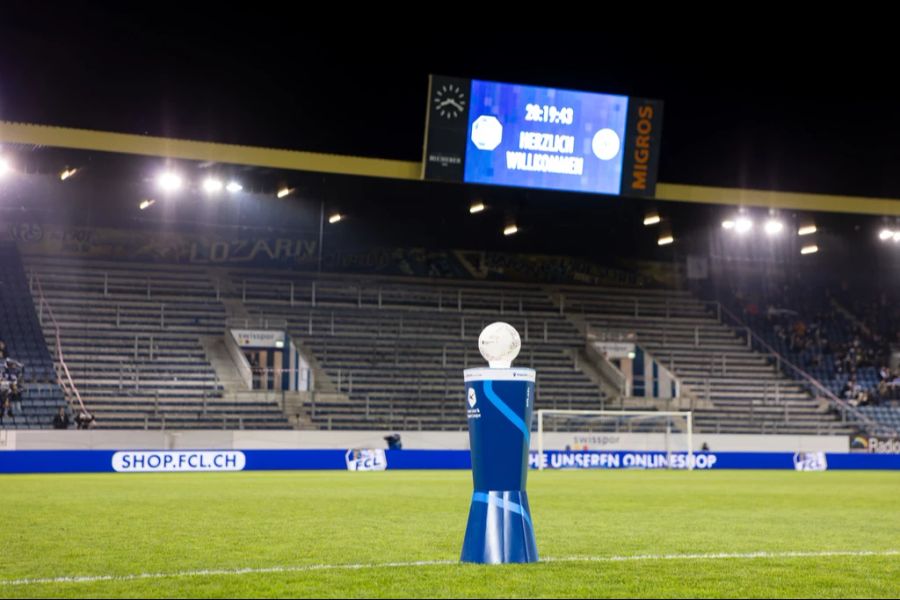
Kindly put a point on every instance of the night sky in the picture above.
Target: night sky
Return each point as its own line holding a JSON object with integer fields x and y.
{"x": 741, "y": 110}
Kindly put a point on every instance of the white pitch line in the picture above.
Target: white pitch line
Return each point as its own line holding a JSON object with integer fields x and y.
{"x": 724, "y": 555}
{"x": 431, "y": 563}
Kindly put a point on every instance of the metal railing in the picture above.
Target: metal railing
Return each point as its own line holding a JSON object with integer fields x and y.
{"x": 402, "y": 327}
{"x": 595, "y": 334}
{"x": 66, "y": 382}
{"x": 259, "y": 322}
{"x": 306, "y": 381}
{"x": 239, "y": 359}
{"x": 376, "y": 293}
{"x": 229, "y": 421}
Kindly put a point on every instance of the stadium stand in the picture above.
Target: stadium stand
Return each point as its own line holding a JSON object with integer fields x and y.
{"x": 387, "y": 353}
{"x": 813, "y": 327}
{"x": 22, "y": 334}
{"x": 396, "y": 349}
{"x": 418, "y": 330}
{"x": 131, "y": 335}
{"x": 743, "y": 390}
{"x": 889, "y": 415}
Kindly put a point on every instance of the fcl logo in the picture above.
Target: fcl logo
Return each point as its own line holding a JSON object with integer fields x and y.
{"x": 366, "y": 460}
{"x": 810, "y": 461}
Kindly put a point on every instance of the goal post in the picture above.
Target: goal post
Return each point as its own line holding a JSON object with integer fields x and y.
{"x": 618, "y": 421}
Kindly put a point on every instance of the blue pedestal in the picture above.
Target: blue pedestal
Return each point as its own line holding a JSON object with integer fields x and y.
{"x": 499, "y": 407}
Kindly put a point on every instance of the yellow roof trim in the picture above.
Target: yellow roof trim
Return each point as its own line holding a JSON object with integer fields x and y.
{"x": 85, "y": 139}
{"x": 104, "y": 141}
{"x": 782, "y": 200}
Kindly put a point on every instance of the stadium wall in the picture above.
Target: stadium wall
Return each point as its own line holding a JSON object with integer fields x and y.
{"x": 168, "y": 461}
{"x": 412, "y": 440}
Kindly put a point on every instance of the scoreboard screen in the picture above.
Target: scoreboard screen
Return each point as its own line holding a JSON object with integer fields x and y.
{"x": 535, "y": 137}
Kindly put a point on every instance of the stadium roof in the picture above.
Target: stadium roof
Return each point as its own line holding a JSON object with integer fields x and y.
{"x": 103, "y": 141}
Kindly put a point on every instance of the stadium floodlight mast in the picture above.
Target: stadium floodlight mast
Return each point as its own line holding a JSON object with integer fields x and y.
{"x": 652, "y": 218}
{"x": 169, "y": 181}
{"x": 743, "y": 225}
{"x": 740, "y": 224}
{"x": 212, "y": 185}
{"x": 887, "y": 235}
{"x": 499, "y": 406}
{"x": 773, "y": 227}
{"x": 665, "y": 237}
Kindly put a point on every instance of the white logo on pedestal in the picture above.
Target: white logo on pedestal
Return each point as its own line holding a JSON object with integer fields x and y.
{"x": 472, "y": 412}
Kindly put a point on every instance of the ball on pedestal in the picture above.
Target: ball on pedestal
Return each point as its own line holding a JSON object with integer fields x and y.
{"x": 499, "y": 344}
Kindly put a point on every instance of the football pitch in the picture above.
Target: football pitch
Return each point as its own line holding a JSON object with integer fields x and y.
{"x": 398, "y": 534}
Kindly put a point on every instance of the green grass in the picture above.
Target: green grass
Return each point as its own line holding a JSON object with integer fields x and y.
{"x": 74, "y": 525}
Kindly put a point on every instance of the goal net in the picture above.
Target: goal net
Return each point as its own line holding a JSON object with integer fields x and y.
{"x": 614, "y": 439}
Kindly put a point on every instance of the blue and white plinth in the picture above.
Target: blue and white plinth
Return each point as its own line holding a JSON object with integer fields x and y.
{"x": 500, "y": 402}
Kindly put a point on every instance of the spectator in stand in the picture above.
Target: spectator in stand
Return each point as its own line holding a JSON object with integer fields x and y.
{"x": 4, "y": 354}
{"x": 13, "y": 371}
{"x": 14, "y": 368}
{"x": 15, "y": 395}
{"x": 61, "y": 420}
{"x": 5, "y": 410}
{"x": 6, "y": 394}
{"x": 84, "y": 420}
{"x": 884, "y": 390}
{"x": 751, "y": 309}
{"x": 851, "y": 389}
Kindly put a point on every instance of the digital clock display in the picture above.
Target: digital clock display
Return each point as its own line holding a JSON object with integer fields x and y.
{"x": 549, "y": 114}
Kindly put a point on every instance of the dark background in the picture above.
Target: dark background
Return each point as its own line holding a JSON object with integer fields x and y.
{"x": 762, "y": 108}
{"x": 757, "y": 109}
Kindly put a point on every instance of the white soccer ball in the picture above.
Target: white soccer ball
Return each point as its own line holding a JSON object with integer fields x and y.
{"x": 499, "y": 344}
